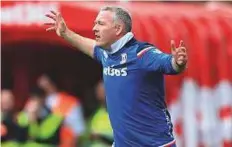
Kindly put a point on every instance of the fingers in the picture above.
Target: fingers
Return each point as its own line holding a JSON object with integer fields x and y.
{"x": 182, "y": 46}
{"x": 53, "y": 12}
{"x": 52, "y": 25}
{"x": 49, "y": 24}
{"x": 58, "y": 25}
{"x": 181, "y": 54}
{"x": 50, "y": 16}
{"x": 59, "y": 17}
{"x": 53, "y": 15}
{"x": 181, "y": 49}
{"x": 181, "y": 43}
{"x": 181, "y": 58}
{"x": 51, "y": 29}
{"x": 173, "y": 46}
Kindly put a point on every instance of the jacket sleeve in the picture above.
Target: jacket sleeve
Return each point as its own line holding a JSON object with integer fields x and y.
{"x": 152, "y": 59}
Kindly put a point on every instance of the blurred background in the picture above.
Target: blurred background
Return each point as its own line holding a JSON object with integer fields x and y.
{"x": 52, "y": 94}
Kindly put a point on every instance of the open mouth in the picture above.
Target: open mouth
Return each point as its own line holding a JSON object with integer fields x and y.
{"x": 97, "y": 37}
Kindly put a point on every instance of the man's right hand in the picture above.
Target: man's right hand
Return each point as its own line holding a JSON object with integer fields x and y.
{"x": 86, "y": 45}
{"x": 57, "y": 25}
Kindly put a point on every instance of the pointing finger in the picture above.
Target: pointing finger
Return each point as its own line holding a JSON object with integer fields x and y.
{"x": 181, "y": 43}
{"x": 173, "y": 46}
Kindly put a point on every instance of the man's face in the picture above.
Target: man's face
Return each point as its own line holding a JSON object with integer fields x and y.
{"x": 44, "y": 82}
{"x": 34, "y": 104}
{"x": 104, "y": 29}
{"x": 7, "y": 100}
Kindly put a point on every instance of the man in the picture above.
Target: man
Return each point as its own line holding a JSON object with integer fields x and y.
{"x": 11, "y": 133}
{"x": 100, "y": 129}
{"x": 133, "y": 77}
{"x": 68, "y": 106}
{"x": 33, "y": 117}
{"x": 43, "y": 127}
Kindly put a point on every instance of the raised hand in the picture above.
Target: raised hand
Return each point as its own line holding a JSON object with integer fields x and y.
{"x": 179, "y": 53}
{"x": 58, "y": 23}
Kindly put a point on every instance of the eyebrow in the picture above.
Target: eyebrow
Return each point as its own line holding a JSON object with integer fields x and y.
{"x": 98, "y": 21}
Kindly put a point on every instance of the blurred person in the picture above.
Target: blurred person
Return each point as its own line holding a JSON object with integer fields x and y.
{"x": 100, "y": 128}
{"x": 133, "y": 73}
{"x": 7, "y": 101}
{"x": 60, "y": 102}
{"x": 43, "y": 126}
{"x": 11, "y": 132}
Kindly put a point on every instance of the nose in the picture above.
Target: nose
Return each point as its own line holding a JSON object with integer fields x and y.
{"x": 95, "y": 29}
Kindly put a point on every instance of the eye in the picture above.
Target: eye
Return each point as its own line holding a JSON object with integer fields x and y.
{"x": 100, "y": 23}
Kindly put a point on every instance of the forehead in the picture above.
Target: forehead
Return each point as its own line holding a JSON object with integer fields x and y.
{"x": 105, "y": 16}
{"x": 44, "y": 77}
{"x": 6, "y": 94}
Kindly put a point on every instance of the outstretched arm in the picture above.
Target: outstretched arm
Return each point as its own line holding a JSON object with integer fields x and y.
{"x": 85, "y": 45}
{"x": 152, "y": 59}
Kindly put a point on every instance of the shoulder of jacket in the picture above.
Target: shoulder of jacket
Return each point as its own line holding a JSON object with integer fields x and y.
{"x": 143, "y": 47}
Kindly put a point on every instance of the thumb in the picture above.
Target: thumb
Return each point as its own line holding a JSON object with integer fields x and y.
{"x": 173, "y": 46}
{"x": 181, "y": 43}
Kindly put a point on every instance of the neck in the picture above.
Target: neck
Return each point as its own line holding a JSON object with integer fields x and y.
{"x": 120, "y": 42}
{"x": 108, "y": 47}
{"x": 51, "y": 90}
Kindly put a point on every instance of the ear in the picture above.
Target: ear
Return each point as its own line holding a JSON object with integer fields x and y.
{"x": 119, "y": 29}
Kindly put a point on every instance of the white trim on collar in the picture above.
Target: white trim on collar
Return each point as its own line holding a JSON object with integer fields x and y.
{"x": 120, "y": 43}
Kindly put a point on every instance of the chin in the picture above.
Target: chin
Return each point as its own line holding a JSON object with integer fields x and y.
{"x": 98, "y": 44}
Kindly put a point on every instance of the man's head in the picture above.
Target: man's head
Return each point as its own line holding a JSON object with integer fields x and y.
{"x": 111, "y": 24}
{"x": 48, "y": 82}
{"x": 36, "y": 100}
{"x": 7, "y": 100}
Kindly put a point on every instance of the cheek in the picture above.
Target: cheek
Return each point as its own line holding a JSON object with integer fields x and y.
{"x": 108, "y": 36}
{"x": 108, "y": 32}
